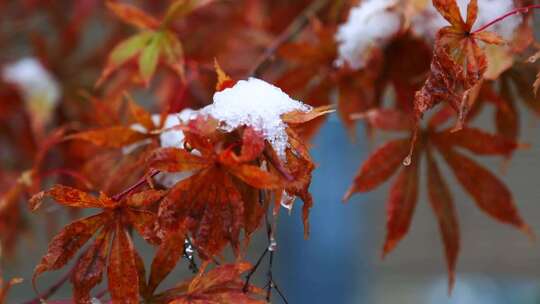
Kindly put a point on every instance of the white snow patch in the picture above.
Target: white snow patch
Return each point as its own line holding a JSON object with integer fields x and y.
{"x": 370, "y": 25}
{"x": 373, "y": 23}
{"x": 253, "y": 102}
{"x": 257, "y": 104}
{"x": 430, "y": 21}
{"x": 168, "y": 138}
{"x": 174, "y": 138}
{"x": 40, "y": 91}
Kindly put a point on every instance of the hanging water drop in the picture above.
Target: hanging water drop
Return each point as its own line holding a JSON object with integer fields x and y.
{"x": 287, "y": 201}
{"x": 407, "y": 161}
{"x": 273, "y": 244}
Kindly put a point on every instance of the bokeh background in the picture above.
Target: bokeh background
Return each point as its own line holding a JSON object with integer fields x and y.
{"x": 340, "y": 262}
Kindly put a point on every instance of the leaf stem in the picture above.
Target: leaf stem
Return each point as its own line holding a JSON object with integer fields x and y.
{"x": 139, "y": 183}
{"x": 520, "y": 10}
{"x": 253, "y": 269}
{"x": 280, "y": 293}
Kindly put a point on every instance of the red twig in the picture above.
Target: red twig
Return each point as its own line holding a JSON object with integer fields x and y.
{"x": 139, "y": 183}
{"x": 520, "y": 10}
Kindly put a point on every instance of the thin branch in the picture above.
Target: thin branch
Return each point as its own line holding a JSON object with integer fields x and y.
{"x": 270, "y": 277}
{"x": 139, "y": 183}
{"x": 290, "y": 32}
{"x": 253, "y": 269}
{"x": 521, "y": 10}
{"x": 271, "y": 248}
{"x": 281, "y": 295}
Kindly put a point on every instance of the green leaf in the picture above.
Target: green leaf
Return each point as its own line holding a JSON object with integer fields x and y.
{"x": 123, "y": 52}
{"x": 173, "y": 53}
{"x": 129, "y": 48}
{"x": 149, "y": 57}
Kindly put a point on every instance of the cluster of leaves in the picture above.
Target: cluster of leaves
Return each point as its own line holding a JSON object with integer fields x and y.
{"x": 102, "y": 149}
{"x": 465, "y": 69}
{"x": 228, "y": 190}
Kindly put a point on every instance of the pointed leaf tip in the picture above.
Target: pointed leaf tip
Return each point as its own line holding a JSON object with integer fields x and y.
{"x": 224, "y": 81}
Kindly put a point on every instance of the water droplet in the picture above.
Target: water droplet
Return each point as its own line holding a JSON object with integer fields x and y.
{"x": 273, "y": 244}
{"x": 287, "y": 201}
{"x": 407, "y": 161}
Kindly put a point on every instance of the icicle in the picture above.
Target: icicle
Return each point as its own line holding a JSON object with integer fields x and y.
{"x": 287, "y": 201}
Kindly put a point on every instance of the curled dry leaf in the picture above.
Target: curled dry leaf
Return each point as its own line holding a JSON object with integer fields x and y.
{"x": 458, "y": 63}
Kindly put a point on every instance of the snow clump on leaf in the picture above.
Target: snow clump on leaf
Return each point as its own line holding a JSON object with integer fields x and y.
{"x": 257, "y": 104}
{"x": 370, "y": 25}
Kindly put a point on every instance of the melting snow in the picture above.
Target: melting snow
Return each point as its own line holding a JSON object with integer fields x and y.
{"x": 174, "y": 138}
{"x": 370, "y": 25}
{"x": 40, "y": 91}
{"x": 251, "y": 102}
{"x": 168, "y": 138}
{"x": 257, "y": 104}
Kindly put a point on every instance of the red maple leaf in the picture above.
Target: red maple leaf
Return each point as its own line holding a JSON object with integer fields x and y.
{"x": 112, "y": 248}
{"x": 220, "y": 285}
{"x": 489, "y": 193}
